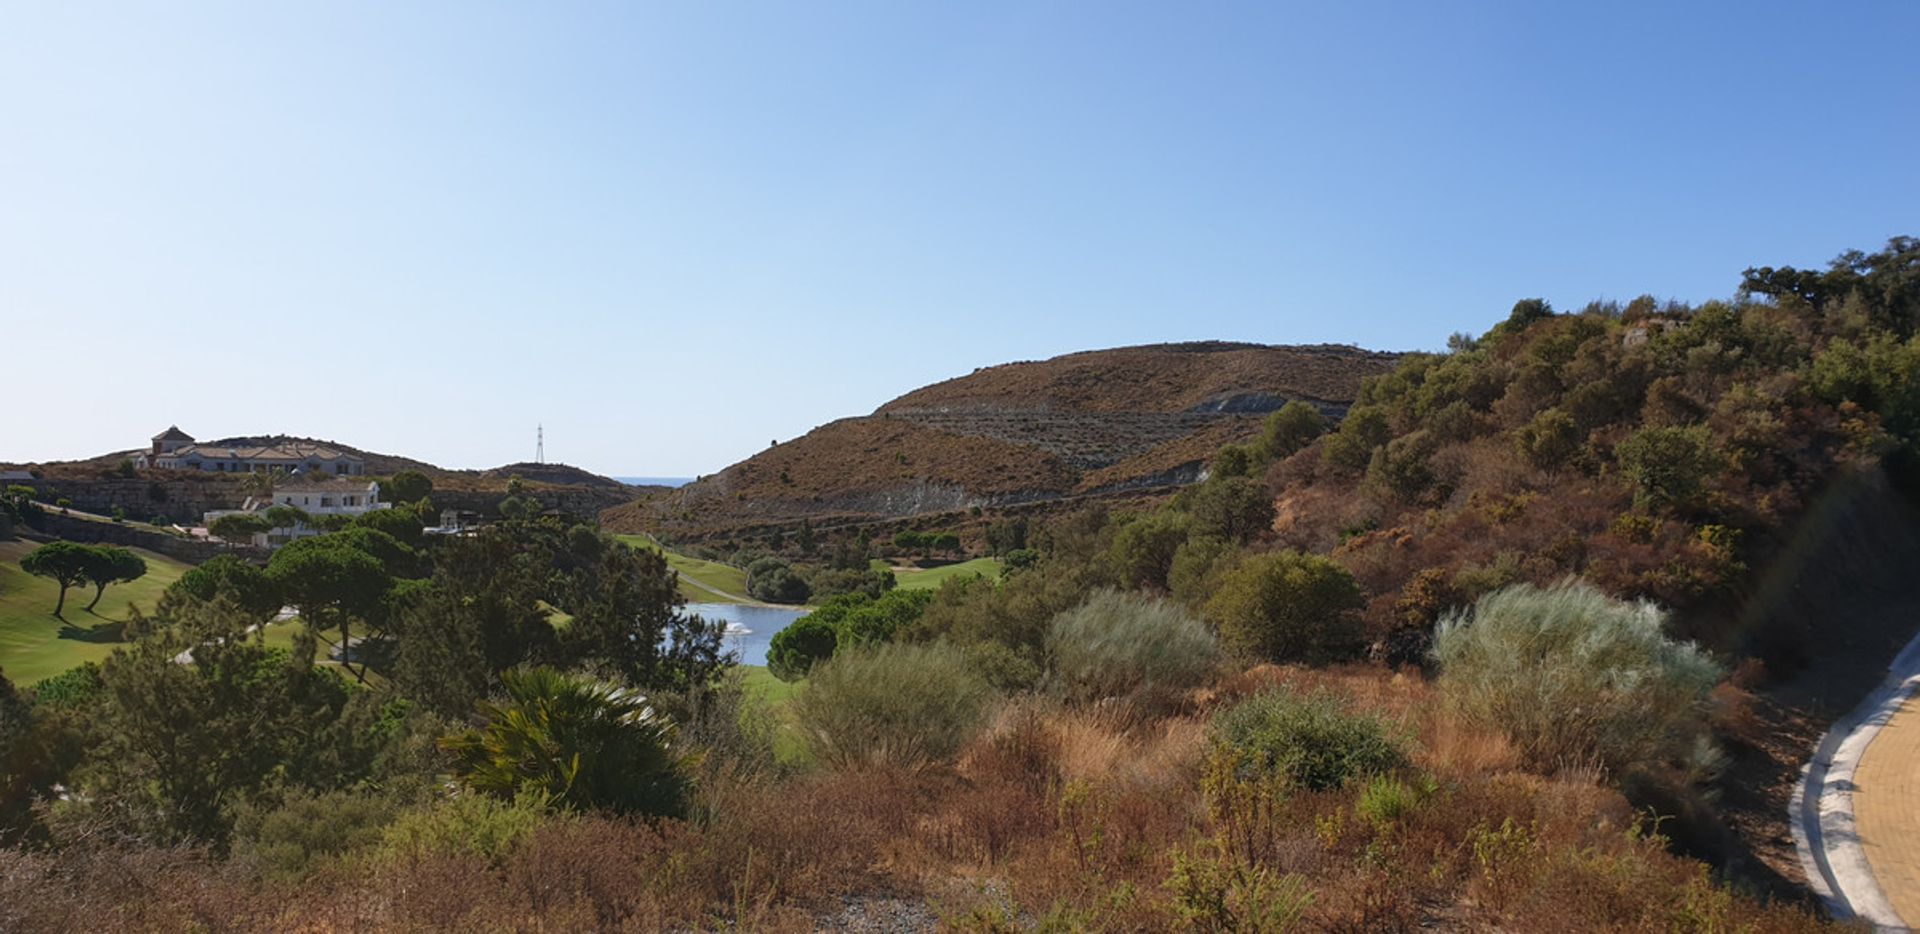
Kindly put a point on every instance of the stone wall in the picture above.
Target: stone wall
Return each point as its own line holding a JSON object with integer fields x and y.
{"x": 183, "y": 500}
{"x": 193, "y": 551}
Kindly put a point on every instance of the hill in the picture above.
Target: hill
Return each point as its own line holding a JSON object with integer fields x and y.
{"x": 101, "y": 484}
{"x": 1095, "y": 423}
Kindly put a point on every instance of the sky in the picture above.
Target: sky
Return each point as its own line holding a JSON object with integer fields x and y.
{"x": 673, "y": 232}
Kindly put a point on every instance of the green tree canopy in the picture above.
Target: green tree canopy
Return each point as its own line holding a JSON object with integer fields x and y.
{"x": 64, "y": 563}
{"x": 112, "y": 564}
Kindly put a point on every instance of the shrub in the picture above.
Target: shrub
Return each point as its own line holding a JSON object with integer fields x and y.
{"x": 1119, "y": 645}
{"x": 1287, "y": 606}
{"x": 1668, "y": 466}
{"x": 1311, "y": 740}
{"x": 290, "y": 840}
{"x": 1005, "y": 668}
{"x": 892, "y": 704}
{"x": 1574, "y": 677}
{"x": 804, "y": 643}
{"x": 1403, "y": 465}
{"x": 1549, "y": 440}
{"x": 1350, "y": 448}
{"x": 586, "y": 743}
{"x": 1237, "y": 509}
{"x": 1198, "y": 565}
{"x": 1291, "y": 428}
{"x": 1143, "y": 549}
{"x": 842, "y": 622}
{"x": 774, "y": 581}
{"x": 465, "y": 825}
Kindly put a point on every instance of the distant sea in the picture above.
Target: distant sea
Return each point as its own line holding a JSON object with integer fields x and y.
{"x": 655, "y": 481}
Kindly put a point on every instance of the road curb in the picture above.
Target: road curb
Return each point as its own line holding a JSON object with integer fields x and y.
{"x": 1821, "y": 812}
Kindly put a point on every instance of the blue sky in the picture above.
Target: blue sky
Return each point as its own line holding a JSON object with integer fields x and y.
{"x": 673, "y": 232}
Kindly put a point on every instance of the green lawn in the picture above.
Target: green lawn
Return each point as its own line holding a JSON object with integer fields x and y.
{"x": 700, "y": 581}
{"x": 35, "y": 646}
{"x": 932, "y": 578}
{"x": 762, "y": 687}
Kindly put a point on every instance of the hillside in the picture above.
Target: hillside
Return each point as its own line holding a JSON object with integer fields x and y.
{"x": 99, "y": 484}
{"x": 1092, "y": 423}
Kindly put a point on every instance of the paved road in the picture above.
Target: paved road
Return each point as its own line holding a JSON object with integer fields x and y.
{"x": 1886, "y": 809}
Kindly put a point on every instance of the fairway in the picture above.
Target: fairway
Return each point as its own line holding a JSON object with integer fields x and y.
{"x": 932, "y": 578}
{"x": 35, "y": 646}
{"x": 701, "y": 581}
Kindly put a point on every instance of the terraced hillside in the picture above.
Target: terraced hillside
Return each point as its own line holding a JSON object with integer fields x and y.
{"x": 1099, "y": 422}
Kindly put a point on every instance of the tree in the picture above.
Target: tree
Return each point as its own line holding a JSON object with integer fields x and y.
{"x": 407, "y": 486}
{"x": 240, "y": 527}
{"x": 583, "y": 742}
{"x": 1287, "y": 607}
{"x": 332, "y": 583}
{"x": 287, "y": 517}
{"x": 64, "y": 563}
{"x": 261, "y": 482}
{"x": 1143, "y": 549}
{"x": 249, "y": 589}
{"x": 26, "y": 775}
{"x": 803, "y": 644}
{"x": 1669, "y": 467}
{"x": 180, "y": 744}
{"x": 112, "y": 565}
{"x": 1238, "y": 509}
{"x": 482, "y": 614}
{"x": 775, "y": 581}
{"x": 1291, "y": 428}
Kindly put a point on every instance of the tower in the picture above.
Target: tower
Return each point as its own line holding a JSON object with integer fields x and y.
{"x": 540, "y": 444}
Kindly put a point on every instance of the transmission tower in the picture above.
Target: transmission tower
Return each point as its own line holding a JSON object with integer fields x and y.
{"x": 540, "y": 444}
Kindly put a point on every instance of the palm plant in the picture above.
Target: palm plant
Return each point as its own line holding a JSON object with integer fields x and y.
{"x": 583, "y": 742}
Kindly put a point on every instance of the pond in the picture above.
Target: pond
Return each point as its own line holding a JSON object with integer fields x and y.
{"x": 749, "y": 628}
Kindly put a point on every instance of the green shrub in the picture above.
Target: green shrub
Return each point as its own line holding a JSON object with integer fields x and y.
{"x": 1574, "y": 677}
{"x": 1287, "y": 606}
{"x": 804, "y": 643}
{"x": 1238, "y": 509}
{"x": 1669, "y": 466}
{"x": 1387, "y": 800}
{"x": 775, "y": 581}
{"x": 1143, "y": 549}
{"x": 1403, "y": 465}
{"x": 1548, "y": 441}
{"x": 288, "y": 841}
{"x": 465, "y": 825}
{"x": 1311, "y": 740}
{"x": 1198, "y": 566}
{"x": 586, "y": 743}
{"x": 1293, "y": 427}
{"x": 894, "y": 704}
{"x": 1349, "y": 448}
{"x": 1008, "y": 670}
{"x": 1120, "y": 645}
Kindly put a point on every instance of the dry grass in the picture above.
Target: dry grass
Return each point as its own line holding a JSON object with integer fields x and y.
{"x": 1084, "y": 819}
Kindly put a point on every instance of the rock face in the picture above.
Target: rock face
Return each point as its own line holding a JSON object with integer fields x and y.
{"x": 1087, "y": 424}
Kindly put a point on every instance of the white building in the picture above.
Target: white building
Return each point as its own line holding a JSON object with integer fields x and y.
{"x": 174, "y": 449}
{"x": 316, "y": 498}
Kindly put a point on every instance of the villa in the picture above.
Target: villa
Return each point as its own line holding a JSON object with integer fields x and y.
{"x": 174, "y": 449}
{"x": 331, "y": 496}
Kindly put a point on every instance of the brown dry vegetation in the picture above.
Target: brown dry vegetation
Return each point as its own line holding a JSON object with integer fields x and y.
{"x": 1012, "y": 435}
{"x": 1087, "y": 818}
{"x": 1155, "y": 378}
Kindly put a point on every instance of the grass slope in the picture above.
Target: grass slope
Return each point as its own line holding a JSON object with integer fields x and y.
{"x": 700, "y": 581}
{"x": 932, "y": 578}
{"x": 35, "y": 646}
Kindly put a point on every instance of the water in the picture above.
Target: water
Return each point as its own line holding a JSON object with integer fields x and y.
{"x": 655, "y": 481}
{"x": 750, "y": 629}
